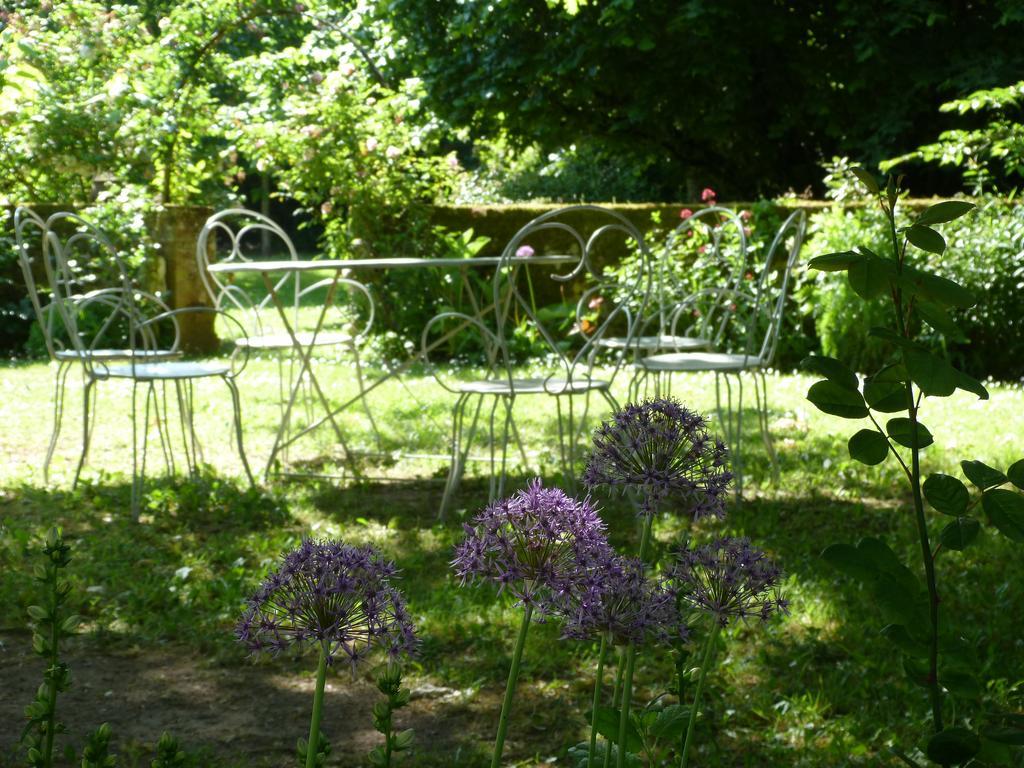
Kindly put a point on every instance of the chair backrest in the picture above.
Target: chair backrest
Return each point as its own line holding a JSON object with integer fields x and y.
{"x": 93, "y": 298}
{"x": 592, "y": 306}
{"x": 743, "y": 321}
{"x": 784, "y": 250}
{"x": 29, "y": 234}
{"x": 235, "y": 235}
{"x": 708, "y": 248}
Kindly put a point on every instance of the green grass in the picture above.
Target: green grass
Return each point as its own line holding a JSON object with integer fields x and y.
{"x": 819, "y": 688}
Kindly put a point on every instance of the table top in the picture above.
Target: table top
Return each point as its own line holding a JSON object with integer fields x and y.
{"x": 305, "y": 265}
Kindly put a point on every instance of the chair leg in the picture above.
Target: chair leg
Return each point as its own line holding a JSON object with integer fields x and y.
{"x": 492, "y": 485}
{"x": 739, "y": 461}
{"x": 508, "y": 403}
{"x": 362, "y": 399}
{"x": 459, "y": 454}
{"x": 163, "y": 421}
{"x": 59, "y": 387}
{"x": 185, "y": 421}
{"x": 86, "y": 427}
{"x": 766, "y": 434}
{"x": 236, "y": 404}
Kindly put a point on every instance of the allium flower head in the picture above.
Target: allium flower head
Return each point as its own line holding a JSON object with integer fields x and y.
{"x": 533, "y": 544}
{"x": 663, "y": 451}
{"x": 615, "y": 597}
{"x": 729, "y": 579}
{"x": 330, "y": 593}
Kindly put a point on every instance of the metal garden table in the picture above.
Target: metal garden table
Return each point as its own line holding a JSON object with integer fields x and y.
{"x": 304, "y": 351}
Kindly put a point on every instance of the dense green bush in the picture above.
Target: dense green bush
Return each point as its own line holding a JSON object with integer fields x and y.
{"x": 986, "y": 254}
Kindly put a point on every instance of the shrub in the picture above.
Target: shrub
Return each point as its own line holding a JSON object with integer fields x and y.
{"x": 986, "y": 255}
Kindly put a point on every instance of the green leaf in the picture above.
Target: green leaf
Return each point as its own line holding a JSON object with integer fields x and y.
{"x": 1005, "y": 509}
{"x": 671, "y": 720}
{"x": 901, "y": 429}
{"x": 946, "y": 494}
{"x": 960, "y": 533}
{"x": 970, "y": 384}
{"x": 953, "y": 746}
{"x": 926, "y": 238}
{"x": 836, "y": 400}
{"x": 836, "y": 262}
{"x": 38, "y": 613}
{"x": 916, "y": 671}
{"x": 940, "y": 320}
{"x": 867, "y": 179}
{"x": 868, "y": 447}
{"x": 900, "y": 636}
{"x": 404, "y": 739}
{"x": 1005, "y": 734}
{"x": 940, "y": 213}
{"x": 934, "y": 288}
{"x": 961, "y": 683}
{"x": 846, "y": 558}
{"x": 932, "y": 374}
{"x": 1015, "y": 474}
{"x": 886, "y": 396}
{"x": 982, "y": 475}
{"x": 832, "y": 369}
{"x": 871, "y": 277}
{"x": 607, "y": 724}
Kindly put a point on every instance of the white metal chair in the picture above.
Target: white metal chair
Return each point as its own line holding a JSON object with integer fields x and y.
{"x": 745, "y": 327}
{"x": 92, "y": 320}
{"x": 708, "y": 247}
{"x": 29, "y": 229}
{"x": 235, "y": 235}
{"x": 592, "y": 308}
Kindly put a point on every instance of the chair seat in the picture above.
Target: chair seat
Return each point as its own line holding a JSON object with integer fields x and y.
{"x": 284, "y": 341}
{"x": 556, "y": 386}
{"x": 118, "y": 354}
{"x": 666, "y": 341}
{"x": 167, "y": 370}
{"x": 700, "y": 361}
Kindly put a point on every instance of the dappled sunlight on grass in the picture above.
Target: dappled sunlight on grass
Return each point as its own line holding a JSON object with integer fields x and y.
{"x": 818, "y": 688}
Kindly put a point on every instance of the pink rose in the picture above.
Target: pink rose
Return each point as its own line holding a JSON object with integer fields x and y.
{"x": 596, "y": 302}
{"x": 326, "y": 208}
{"x": 371, "y": 144}
{"x": 746, "y": 215}
{"x": 708, "y": 195}
{"x": 392, "y": 152}
{"x": 524, "y": 252}
{"x": 685, "y": 214}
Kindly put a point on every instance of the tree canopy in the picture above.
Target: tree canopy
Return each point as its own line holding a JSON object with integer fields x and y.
{"x": 748, "y": 97}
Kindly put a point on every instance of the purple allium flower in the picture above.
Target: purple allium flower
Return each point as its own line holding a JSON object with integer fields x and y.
{"x": 728, "y": 579}
{"x": 615, "y": 597}
{"x": 664, "y": 451}
{"x": 524, "y": 252}
{"x": 329, "y": 593}
{"x": 533, "y": 544}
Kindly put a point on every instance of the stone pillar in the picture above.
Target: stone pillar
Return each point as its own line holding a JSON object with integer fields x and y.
{"x": 176, "y": 229}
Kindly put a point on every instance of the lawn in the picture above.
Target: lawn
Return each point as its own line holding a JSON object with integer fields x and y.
{"x": 160, "y": 597}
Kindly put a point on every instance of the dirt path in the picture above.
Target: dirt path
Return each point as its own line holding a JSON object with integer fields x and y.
{"x": 247, "y": 715}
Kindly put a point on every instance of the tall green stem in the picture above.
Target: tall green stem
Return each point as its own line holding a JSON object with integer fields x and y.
{"x": 627, "y": 683}
{"x": 510, "y": 687}
{"x": 934, "y": 692}
{"x": 598, "y": 685}
{"x": 318, "y": 705}
{"x": 51, "y": 713}
{"x": 616, "y": 693}
{"x": 704, "y": 664}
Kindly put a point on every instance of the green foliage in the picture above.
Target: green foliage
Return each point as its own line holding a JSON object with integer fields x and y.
{"x": 986, "y": 339}
{"x": 389, "y": 683}
{"x": 96, "y": 752}
{"x": 168, "y": 753}
{"x": 914, "y": 370}
{"x": 556, "y": 74}
{"x": 52, "y": 624}
{"x": 977, "y": 151}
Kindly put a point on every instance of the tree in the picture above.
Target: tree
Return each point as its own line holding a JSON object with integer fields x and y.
{"x": 744, "y": 97}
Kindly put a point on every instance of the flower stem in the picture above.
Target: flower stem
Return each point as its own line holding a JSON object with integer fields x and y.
{"x": 510, "y": 687}
{"x": 598, "y": 684}
{"x": 627, "y": 695}
{"x": 645, "y": 537}
{"x": 318, "y": 703}
{"x": 51, "y": 689}
{"x": 708, "y": 648}
{"x": 616, "y": 693}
